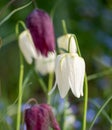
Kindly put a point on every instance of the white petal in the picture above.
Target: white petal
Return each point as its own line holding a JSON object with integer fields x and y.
{"x": 77, "y": 71}
{"x": 63, "y": 43}
{"x": 27, "y": 47}
{"x": 44, "y": 64}
{"x": 82, "y": 71}
{"x": 62, "y": 75}
{"x": 52, "y": 90}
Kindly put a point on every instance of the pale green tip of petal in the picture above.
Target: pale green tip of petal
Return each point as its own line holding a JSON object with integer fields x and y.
{"x": 52, "y": 90}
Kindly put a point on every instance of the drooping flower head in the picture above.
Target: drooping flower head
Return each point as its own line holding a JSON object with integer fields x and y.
{"x": 27, "y": 46}
{"x": 40, "y": 117}
{"x": 41, "y": 28}
{"x": 69, "y": 71}
{"x": 38, "y": 42}
{"x": 69, "y": 67}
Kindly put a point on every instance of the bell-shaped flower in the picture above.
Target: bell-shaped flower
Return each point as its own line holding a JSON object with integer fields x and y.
{"x": 27, "y": 46}
{"x": 70, "y": 71}
{"x": 66, "y": 41}
{"x": 40, "y": 117}
{"x": 41, "y": 28}
{"x": 43, "y": 64}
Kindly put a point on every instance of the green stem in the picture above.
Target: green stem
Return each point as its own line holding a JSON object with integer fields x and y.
{"x": 64, "y": 27}
{"x": 111, "y": 117}
{"x": 103, "y": 112}
{"x": 76, "y": 41}
{"x": 20, "y": 81}
{"x": 42, "y": 85}
{"x": 100, "y": 74}
{"x": 50, "y": 84}
{"x": 20, "y": 93}
{"x": 34, "y": 3}
{"x": 85, "y": 89}
{"x": 20, "y": 22}
{"x": 85, "y": 102}
{"x": 41, "y": 82}
{"x": 69, "y": 44}
{"x": 14, "y": 11}
{"x": 100, "y": 110}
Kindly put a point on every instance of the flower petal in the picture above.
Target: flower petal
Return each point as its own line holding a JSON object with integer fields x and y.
{"x": 62, "y": 75}
{"x": 77, "y": 71}
{"x": 27, "y": 47}
{"x": 63, "y": 43}
{"x": 44, "y": 64}
{"x": 41, "y": 28}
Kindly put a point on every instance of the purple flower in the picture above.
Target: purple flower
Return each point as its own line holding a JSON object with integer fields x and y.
{"x": 41, "y": 29}
{"x": 40, "y": 117}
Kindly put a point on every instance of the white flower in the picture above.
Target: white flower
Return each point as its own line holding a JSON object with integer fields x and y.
{"x": 44, "y": 64}
{"x": 27, "y": 47}
{"x": 65, "y": 41}
{"x": 69, "y": 71}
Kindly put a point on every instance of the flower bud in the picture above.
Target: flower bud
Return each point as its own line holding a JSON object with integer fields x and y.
{"x": 41, "y": 29}
{"x": 27, "y": 46}
{"x": 40, "y": 117}
{"x": 66, "y": 41}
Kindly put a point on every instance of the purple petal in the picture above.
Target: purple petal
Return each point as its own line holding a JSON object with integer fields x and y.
{"x": 40, "y": 25}
{"x": 40, "y": 117}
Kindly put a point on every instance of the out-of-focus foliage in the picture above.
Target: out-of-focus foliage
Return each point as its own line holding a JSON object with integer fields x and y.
{"x": 91, "y": 21}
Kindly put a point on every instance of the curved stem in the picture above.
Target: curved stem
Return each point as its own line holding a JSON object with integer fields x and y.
{"x": 103, "y": 112}
{"x": 14, "y": 11}
{"x": 20, "y": 82}
{"x": 100, "y": 110}
{"x": 69, "y": 44}
{"x": 41, "y": 82}
{"x": 17, "y": 26}
{"x": 100, "y": 74}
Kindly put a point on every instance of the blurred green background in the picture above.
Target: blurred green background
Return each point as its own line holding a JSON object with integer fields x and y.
{"x": 90, "y": 21}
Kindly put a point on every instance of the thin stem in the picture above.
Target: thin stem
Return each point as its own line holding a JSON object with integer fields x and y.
{"x": 20, "y": 82}
{"x": 41, "y": 82}
{"x": 111, "y": 119}
{"x": 64, "y": 27}
{"x": 78, "y": 49}
{"x": 17, "y": 26}
{"x": 111, "y": 127}
{"x": 85, "y": 102}
{"x": 34, "y": 3}
{"x": 100, "y": 110}
{"x": 103, "y": 112}
{"x": 69, "y": 44}
{"x": 14, "y": 11}
{"x": 50, "y": 84}
{"x": 100, "y": 74}
{"x": 20, "y": 93}
{"x": 85, "y": 89}
{"x": 6, "y": 6}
